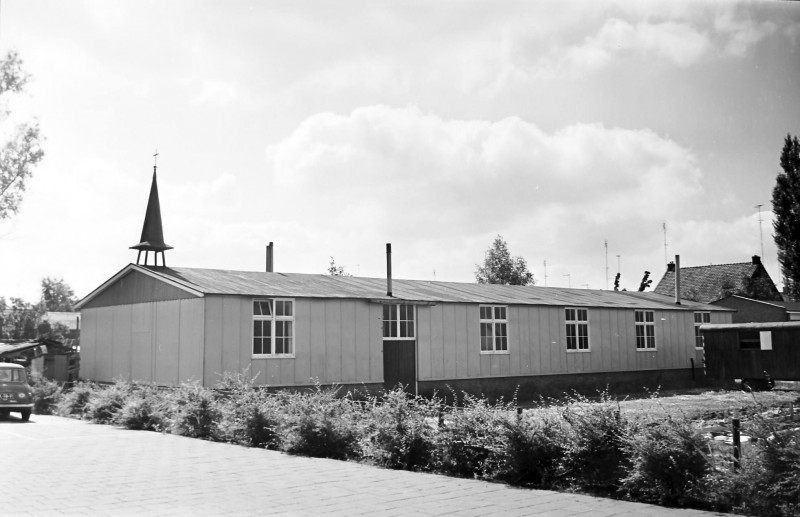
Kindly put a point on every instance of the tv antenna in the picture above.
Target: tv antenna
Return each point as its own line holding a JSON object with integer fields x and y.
{"x": 760, "y": 231}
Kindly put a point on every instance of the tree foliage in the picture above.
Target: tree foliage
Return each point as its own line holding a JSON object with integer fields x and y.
{"x": 19, "y": 319}
{"x": 499, "y": 267}
{"x": 335, "y": 270}
{"x": 22, "y": 150}
{"x": 786, "y": 206}
{"x": 646, "y": 281}
{"x": 57, "y": 295}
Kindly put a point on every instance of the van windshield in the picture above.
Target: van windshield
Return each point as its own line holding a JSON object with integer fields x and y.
{"x": 11, "y": 375}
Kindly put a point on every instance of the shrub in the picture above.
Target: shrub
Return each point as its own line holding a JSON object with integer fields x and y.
{"x": 594, "y": 448}
{"x": 249, "y": 418}
{"x": 143, "y": 410}
{"x": 105, "y": 402}
{"x": 74, "y": 401}
{"x": 321, "y": 425}
{"x": 400, "y": 433}
{"x": 667, "y": 463}
{"x": 194, "y": 411}
{"x": 535, "y": 448}
{"x": 470, "y": 443}
{"x": 46, "y": 393}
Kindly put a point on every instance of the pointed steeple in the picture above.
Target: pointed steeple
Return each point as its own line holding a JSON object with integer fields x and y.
{"x": 152, "y": 231}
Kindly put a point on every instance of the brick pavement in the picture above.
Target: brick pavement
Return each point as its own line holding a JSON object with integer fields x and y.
{"x": 57, "y": 466}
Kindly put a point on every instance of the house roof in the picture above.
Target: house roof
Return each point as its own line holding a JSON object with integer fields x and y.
{"x": 298, "y": 285}
{"x": 705, "y": 281}
{"x": 789, "y": 306}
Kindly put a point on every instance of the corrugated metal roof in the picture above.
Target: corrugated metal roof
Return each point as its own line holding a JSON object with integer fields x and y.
{"x": 705, "y": 282}
{"x": 299, "y": 285}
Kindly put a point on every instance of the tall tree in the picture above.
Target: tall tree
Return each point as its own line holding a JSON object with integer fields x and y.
{"x": 57, "y": 295}
{"x": 19, "y": 320}
{"x": 500, "y": 268}
{"x": 786, "y": 206}
{"x": 335, "y": 270}
{"x": 22, "y": 151}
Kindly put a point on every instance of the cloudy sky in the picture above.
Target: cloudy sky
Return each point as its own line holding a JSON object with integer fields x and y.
{"x": 332, "y": 128}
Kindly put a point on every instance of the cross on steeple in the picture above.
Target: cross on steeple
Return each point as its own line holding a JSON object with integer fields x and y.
{"x": 155, "y": 159}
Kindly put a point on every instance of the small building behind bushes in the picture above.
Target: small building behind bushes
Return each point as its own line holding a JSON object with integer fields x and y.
{"x": 167, "y": 325}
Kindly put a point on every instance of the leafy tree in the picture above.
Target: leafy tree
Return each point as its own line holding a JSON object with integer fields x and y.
{"x": 786, "y": 206}
{"x": 335, "y": 270}
{"x": 500, "y": 268}
{"x": 57, "y": 295}
{"x": 19, "y": 319}
{"x": 646, "y": 281}
{"x": 20, "y": 154}
{"x": 616, "y": 282}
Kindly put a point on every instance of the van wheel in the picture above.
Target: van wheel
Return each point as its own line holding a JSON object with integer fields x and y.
{"x": 25, "y": 414}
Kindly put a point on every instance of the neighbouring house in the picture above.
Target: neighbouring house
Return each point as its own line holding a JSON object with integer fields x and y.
{"x": 749, "y": 310}
{"x": 713, "y": 282}
{"x": 168, "y": 325}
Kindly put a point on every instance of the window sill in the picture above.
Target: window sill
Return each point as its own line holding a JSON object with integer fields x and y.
{"x": 579, "y": 350}
{"x": 272, "y": 356}
{"x": 495, "y": 352}
{"x": 399, "y": 339}
{"x": 647, "y": 349}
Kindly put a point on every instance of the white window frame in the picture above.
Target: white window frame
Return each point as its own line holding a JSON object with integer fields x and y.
{"x": 644, "y": 325}
{"x": 273, "y": 321}
{"x": 705, "y": 317}
{"x": 576, "y": 323}
{"x": 494, "y": 323}
{"x": 398, "y": 323}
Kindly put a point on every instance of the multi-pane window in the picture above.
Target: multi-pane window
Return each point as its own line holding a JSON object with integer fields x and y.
{"x": 699, "y": 319}
{"x": 273, "y": 328}
{"x": 577, "y": 321}
{"x": 398, "y": 321}
{"x": 494, "y": 328}
{"x": 645, "y": 330}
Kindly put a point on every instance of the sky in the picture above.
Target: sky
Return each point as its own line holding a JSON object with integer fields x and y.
{"x": 332, "y": 128}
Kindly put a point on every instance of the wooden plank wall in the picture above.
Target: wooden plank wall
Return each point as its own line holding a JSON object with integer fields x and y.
{"x": 336, "y": 341}
{"x": 158, "y": 342}
{"x": 449, "y": 343}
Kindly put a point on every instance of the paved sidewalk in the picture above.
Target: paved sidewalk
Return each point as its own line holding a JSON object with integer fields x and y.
{"x": 57, "y": 466}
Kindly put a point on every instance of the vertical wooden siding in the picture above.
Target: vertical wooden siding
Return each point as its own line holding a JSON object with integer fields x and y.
{"x": 159, "y": 342}
{"x": 449, "y": 343}
{"x": 336, "y": 341}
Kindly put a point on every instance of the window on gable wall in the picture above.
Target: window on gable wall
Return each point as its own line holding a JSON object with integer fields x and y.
{"x": 577, "y": 321}
{"x": 494, "y": 329}
{"x": 699, "y": 319}
{"x": 645, "y": 330}
{"x": 273, "y": 328}
{"x": 398, "y": 321}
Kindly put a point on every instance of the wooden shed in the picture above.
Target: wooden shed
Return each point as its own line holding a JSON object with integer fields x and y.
{"x": 169, "y": 325}
{"x": 756, "y": 354}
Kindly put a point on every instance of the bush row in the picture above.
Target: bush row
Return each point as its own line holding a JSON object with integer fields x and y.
{"x": 573, "y": 444}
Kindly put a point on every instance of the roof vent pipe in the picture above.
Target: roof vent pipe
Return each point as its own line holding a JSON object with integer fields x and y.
{"x": 270, "y": 265}
{"x": 388, "y": 269}
{"x": 677, "y": 279}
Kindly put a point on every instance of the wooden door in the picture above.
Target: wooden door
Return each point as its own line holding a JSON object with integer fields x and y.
{"x": 400, "y": 365}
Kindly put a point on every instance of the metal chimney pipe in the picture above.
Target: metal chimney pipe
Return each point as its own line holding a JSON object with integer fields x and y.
{"x": 677, "y": 279}
{"x": 270, "y": 265}
{"x": 388, "y": 269}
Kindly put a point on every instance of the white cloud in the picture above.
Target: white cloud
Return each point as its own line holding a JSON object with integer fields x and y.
{"x": 741, "y": 33}
{"x": 677, "y": 42}
{"x": 382, "y": 173}
{"x": 221, "y": 93}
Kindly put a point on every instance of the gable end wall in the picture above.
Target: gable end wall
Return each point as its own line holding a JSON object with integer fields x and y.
{"x": 136, "y": 287}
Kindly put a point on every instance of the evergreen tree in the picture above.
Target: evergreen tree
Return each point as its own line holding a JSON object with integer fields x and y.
{"x": 500, "y": 268}
{"x": 786, "y": 206}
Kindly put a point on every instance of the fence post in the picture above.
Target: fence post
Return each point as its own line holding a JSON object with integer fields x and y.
{"x": 736, "y": 444}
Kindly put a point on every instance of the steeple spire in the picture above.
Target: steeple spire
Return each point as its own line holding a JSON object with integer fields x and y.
{"x": 152, "y": 231}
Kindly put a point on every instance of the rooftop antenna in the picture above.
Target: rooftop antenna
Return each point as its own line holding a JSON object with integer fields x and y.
{"x": 606, "y": 245}
{"x": 664, "y": 226}
{"x": 569, "y": 279}
{"x": 545, "y": 273}
{"x": 760, "y": 231}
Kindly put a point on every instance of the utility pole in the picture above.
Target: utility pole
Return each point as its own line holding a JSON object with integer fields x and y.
{"x": 606, "y": 245}
{"x": 545, "y": 273}
{"x": 760, "y": 232}
{"x": 664, "y": 226}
